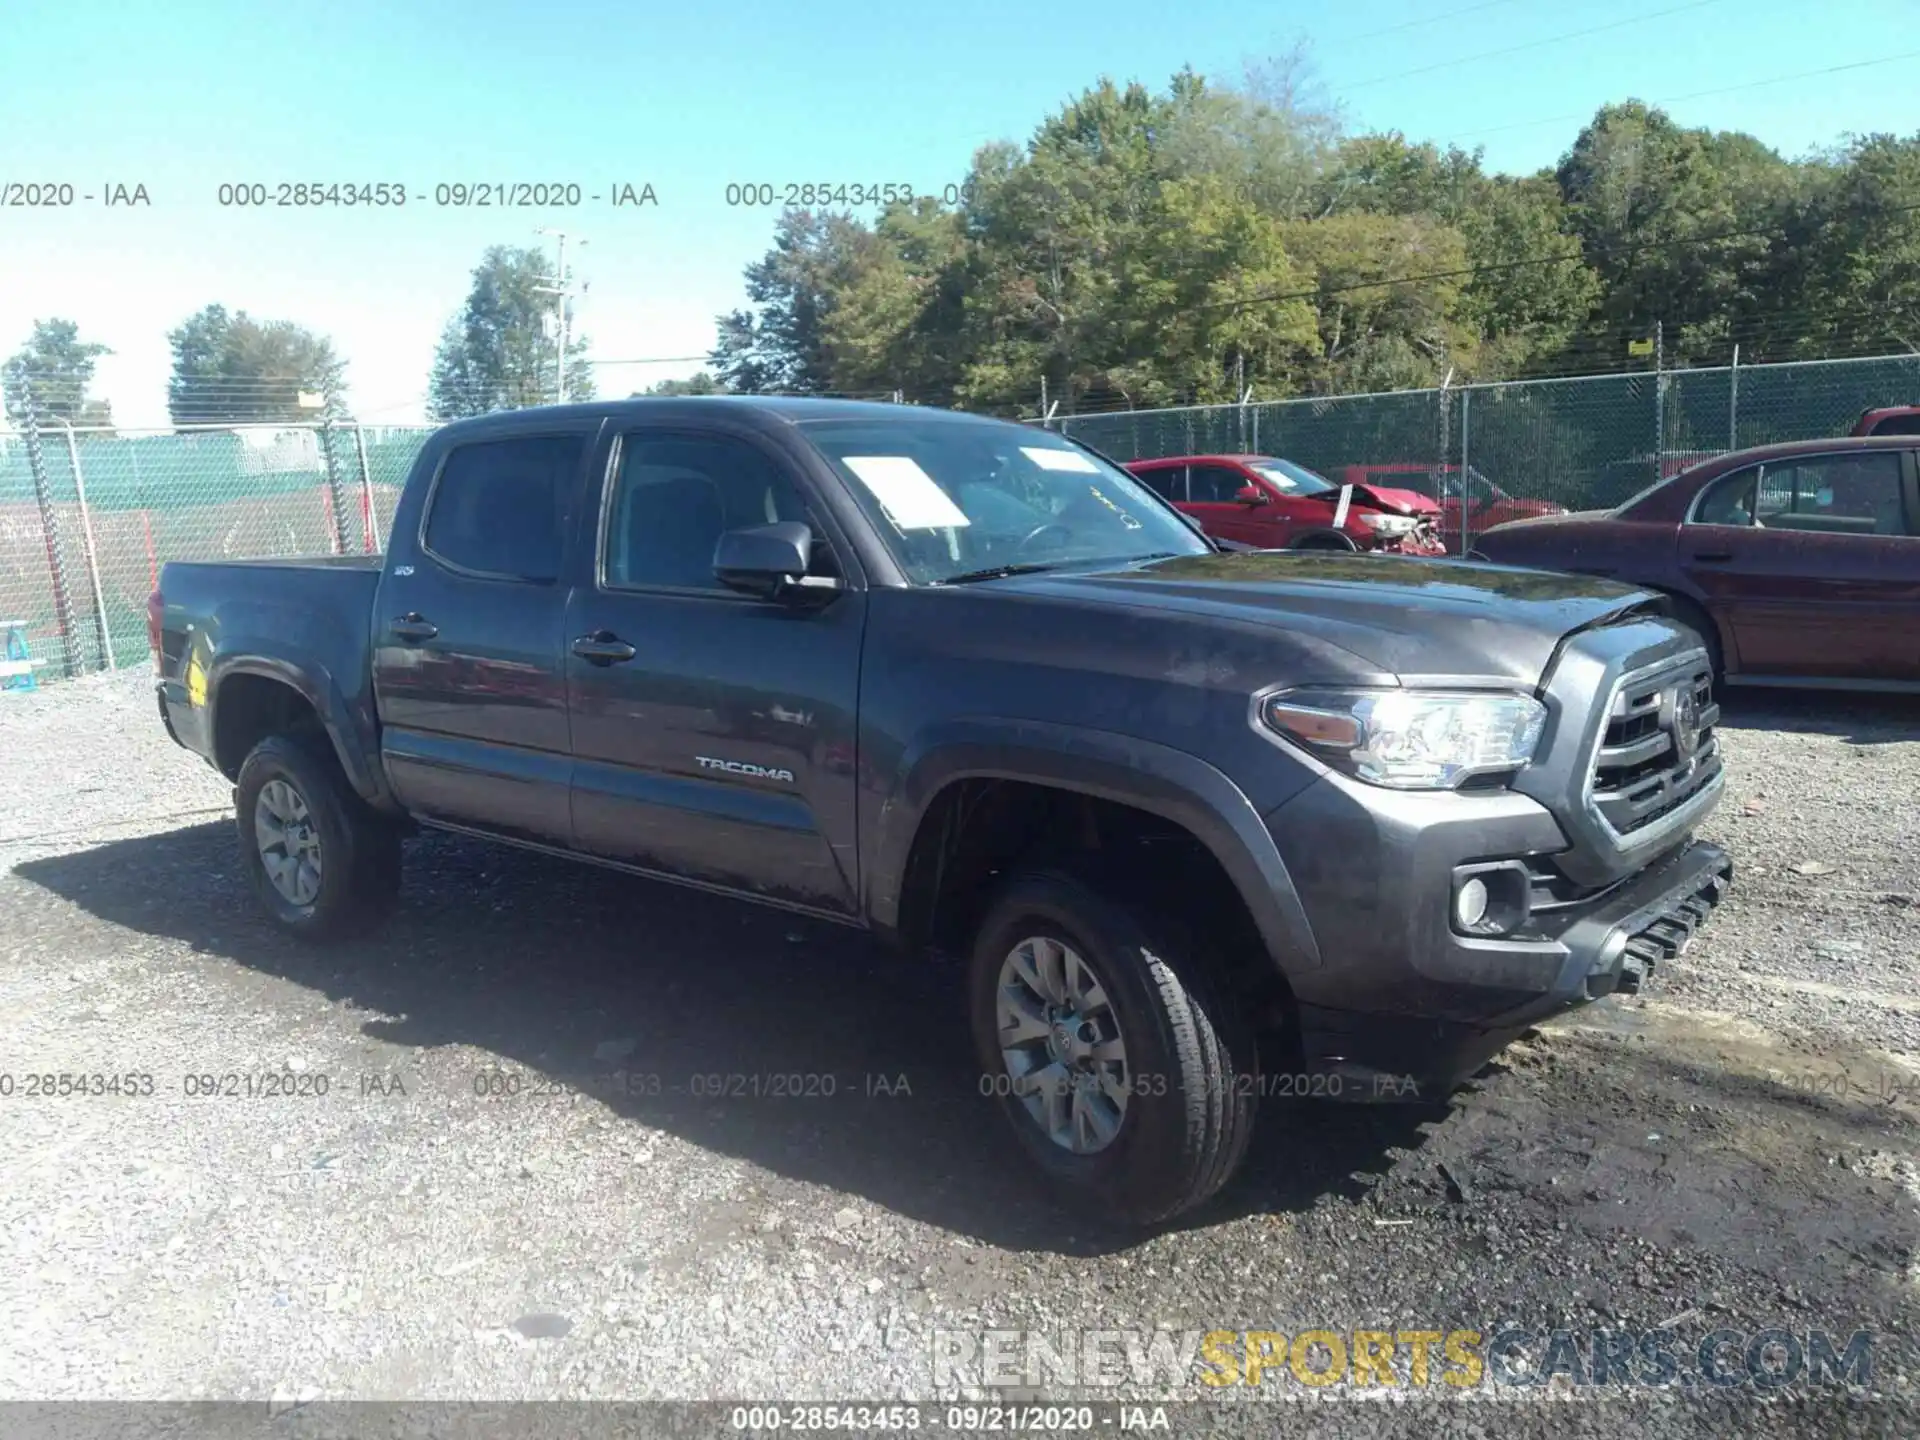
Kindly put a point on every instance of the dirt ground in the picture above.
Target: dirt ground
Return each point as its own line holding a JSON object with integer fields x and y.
{"x": 532, "y": 1175}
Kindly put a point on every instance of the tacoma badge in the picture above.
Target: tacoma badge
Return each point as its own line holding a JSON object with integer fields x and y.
{"x": 742, "y": 767}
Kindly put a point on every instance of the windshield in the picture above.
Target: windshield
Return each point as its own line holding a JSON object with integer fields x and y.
{"x": 1289, "y": 478}
{"x": 954, "y": 498}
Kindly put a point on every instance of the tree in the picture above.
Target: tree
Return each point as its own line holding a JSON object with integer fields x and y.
{"x": 499, "y": 352}
{"x": 1675, "y": 223}
{"x": 235, "y": 370}
{"x": 700, "y": 384}
{"x": 1399, "y": 334}
{"x": 779, "y": 344}
{"x": 55, "y": 368}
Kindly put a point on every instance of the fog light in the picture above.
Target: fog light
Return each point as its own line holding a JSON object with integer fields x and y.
{"x": 1470, "y": 904}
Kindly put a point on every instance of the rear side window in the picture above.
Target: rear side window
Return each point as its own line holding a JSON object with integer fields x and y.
{"x": 498, "y": 506}
{"x": 1729, "y": 501}
{"x": 1907, "y": 424}
{"x": 1167, "y": 481}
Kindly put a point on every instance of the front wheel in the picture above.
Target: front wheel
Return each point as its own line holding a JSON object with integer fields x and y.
{"x": 1126, "y": 1078}
{"x": 322, "y": 863}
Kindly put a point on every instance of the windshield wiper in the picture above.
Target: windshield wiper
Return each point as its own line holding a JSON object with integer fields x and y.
{"x": 995, "y": 572}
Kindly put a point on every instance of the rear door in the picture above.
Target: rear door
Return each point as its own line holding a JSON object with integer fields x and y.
{"x": 467, "y": 636}
{"x": 1815, "y": 563}
{"x": 713, "y": 733}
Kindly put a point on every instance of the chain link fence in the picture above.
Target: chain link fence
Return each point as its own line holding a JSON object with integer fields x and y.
{"x": 87, "y": 518}
{"x": 1580, "y": 443}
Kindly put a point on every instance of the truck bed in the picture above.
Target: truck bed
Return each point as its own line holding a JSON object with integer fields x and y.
{"x": 309, "y": 617}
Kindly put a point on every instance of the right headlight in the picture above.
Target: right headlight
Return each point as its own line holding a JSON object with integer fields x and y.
{"x": 1410, "y": 739}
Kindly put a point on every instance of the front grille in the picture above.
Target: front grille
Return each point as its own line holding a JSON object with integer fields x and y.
{"x": 1647, "y": 773}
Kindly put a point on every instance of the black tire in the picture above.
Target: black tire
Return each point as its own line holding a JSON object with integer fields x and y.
{"x": 1193, "y": 1069}
{"x": 359, "y": 850}
{"x": 1328, "y": 542}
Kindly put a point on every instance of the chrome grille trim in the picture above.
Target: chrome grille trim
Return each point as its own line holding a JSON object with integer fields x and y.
{"x": 1637, "y": 791}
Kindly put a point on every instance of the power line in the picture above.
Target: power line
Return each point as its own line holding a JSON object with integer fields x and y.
{"x": 1701, "y": 94}
{"x": 1424, "y": 20}
{"x": 1532, "y": 44}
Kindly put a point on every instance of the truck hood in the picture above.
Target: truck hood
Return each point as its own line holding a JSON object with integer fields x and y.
{"x": 1400, "y": 615}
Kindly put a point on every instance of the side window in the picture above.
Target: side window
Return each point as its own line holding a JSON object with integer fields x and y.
{"x": 499, "y": 505}
{"x": 1168, "y": 481}
{"x": 674, "y": 497}
{"x": 1856, "y": 494}
{"x": 1728, "y": 501}
{"x": 1904, "y": 424}
{"x": 1214, "y": 484}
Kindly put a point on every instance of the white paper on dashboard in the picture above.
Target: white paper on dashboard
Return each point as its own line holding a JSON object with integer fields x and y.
{"x": 912, "y": 498}
{"x": 1060, "y": 460}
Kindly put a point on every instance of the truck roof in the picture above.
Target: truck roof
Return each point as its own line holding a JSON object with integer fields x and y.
{"x": 773, "y": 409}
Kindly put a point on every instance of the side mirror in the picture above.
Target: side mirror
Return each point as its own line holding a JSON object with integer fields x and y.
{"x": 767, "y": 560}
{"x": 1251, "y": 495}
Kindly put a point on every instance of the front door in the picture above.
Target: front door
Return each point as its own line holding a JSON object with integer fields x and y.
{"x": 1815, "y": 562}
{"x": 1210, "y": 494}
{"x": 467, "y": 639}
{"x": 713, "y": 732}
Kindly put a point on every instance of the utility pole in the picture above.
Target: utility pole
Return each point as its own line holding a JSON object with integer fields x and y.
{"x": 562, "y": 290}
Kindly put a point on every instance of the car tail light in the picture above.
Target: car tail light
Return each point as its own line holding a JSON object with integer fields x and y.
{"x": 156, "y": 615}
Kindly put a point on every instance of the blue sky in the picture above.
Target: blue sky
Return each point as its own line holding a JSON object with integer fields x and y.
{"x": 183, "y": 96}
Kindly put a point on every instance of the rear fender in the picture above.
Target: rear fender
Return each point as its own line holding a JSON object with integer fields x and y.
{"x": 349, "y": 727}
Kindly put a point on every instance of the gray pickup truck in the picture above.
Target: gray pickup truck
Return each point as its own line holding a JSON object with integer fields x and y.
{"x": 1203, "y": 826}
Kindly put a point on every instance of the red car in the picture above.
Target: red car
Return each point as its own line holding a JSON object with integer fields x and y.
{"x": 1278, "y": 505}
{"x": 1799, "y": 563}
{"x": 1487, "y": 505}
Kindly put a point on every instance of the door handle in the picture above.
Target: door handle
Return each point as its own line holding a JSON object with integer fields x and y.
{"x": 1713, "y": 557}
{"x": 603, "y": 647}
{"x": 412, "y": 626}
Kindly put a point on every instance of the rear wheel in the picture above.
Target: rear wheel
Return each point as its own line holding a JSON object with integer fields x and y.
{"x": 321, "y": 861}
{"x": 1125, "y": 1077}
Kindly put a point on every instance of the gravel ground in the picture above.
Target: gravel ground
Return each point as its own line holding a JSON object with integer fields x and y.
{"x": 1734, "y": 1149}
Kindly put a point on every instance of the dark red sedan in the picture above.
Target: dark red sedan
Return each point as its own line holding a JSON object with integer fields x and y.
{"x": 1800, "y": 563}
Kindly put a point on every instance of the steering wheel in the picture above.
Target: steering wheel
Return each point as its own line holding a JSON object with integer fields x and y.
{"x": 1030, "y": 540}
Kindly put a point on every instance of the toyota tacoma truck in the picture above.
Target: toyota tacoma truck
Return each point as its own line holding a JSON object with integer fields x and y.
{"x": 1202, "y": 826}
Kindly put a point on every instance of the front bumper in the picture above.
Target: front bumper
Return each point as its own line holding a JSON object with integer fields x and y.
{"x": 1404, "y": 1007}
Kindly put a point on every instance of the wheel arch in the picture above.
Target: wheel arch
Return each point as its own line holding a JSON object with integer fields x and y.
{"x": 1324, "y": 538}
{"x": 1097, "y": 766}
{"x": 258, "y": 692}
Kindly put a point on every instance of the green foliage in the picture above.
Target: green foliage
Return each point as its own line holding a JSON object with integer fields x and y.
{"x": 230, "y": 369}
{"x": 1159, "y": 248}
{"x": 500, "y": 351}
{"x": 53, "y": 370}
{"x": 700, "y": 384}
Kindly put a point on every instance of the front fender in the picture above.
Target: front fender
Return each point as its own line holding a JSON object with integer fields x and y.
{"x": 1167, "y": 782}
